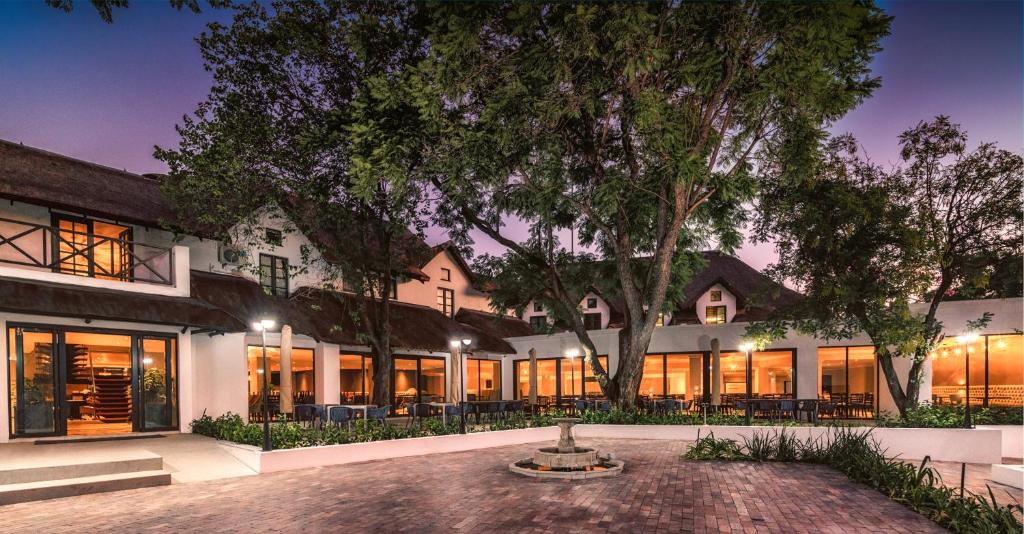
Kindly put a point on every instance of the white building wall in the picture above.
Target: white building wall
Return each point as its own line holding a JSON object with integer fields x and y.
{"x": 220, "y": 376}
{"x": 728, "y": 300}
{"x": 425, "y": 293}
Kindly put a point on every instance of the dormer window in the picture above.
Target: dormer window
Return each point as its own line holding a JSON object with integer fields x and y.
{"x": 446, "y": 274}
{"x": 538, "y": 307}
{"x": 715, "y": 315}
{"x": 591, "y": 303}
{"x": 716, "y": 295}
{"x": 273, "y": 237}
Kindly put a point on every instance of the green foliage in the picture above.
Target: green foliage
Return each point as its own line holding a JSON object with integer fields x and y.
{"x": 860, "y": 457}
{"x": 105, "y": 8}
{"x": 154, "y": 384}
{"x": 634, "y": 127}
{"x": 950, "y": 416}
{"x": 618, "y": 416}
{"x": 863, "y": 243}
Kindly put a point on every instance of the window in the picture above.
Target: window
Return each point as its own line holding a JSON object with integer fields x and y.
{"x": 274, "y": 275}
{"x": 592, "y": 321}
{"x": 539, "y": 322}
{"x": 483, "y": 380}
{"x": 273, "y": 237}
{"x": 848, "y": 376}
{"x": 996, "y": 371}
{"x": 715, "y": 315}
{"x": 92, "y": 248}
{"x": 591, "y": 303}
{"x": 355, "y": 378}
{"x": 446, "y": 274}
{"x": 538, "y": 307}
{"x": 716, "y": 295}
{"x": 446, "y": 301}
{"x": 303, "y": 377}
{"x": 554, "y": 379}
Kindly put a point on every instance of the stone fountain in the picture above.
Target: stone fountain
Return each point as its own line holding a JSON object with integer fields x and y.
{"x": 566, "y": 460}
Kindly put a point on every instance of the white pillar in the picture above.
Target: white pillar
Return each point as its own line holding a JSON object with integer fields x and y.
{"x": 328, "y": 373}
{"x": 716, "y": 373}
{"x": 186, "y": 382}
{"x": 286, "y": 369}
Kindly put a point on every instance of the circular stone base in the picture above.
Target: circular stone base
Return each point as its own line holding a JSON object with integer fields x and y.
{"x": 550, "y": 457}
{"x": 608, "y": 468}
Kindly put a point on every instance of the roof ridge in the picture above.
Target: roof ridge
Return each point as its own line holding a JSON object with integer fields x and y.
{"x": 48, "y": 153}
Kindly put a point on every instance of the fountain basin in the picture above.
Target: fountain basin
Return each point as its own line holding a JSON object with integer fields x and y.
{"x": 604, "y": 468}
{"x": 579, "y": 458}
{"x": 566, "y": 460}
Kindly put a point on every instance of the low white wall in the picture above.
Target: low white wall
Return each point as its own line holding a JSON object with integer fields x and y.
{"x": 941, "y": 444}
{"x": 287, "y": 459}
{"x": 1013, "y": 439}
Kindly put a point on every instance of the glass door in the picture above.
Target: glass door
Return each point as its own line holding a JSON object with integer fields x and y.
{"x": 158, "y": 383}
{"x": 32, "y": 370}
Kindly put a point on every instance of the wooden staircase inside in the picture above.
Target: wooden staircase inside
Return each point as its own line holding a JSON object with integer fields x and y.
{"x": 112, "y": 400}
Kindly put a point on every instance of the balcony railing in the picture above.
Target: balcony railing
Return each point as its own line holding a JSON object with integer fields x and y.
{"x": 49, "y": 248}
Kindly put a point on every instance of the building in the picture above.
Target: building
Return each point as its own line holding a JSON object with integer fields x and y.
{"x": 113, "y": 324}
{"x": 721, "y": 300}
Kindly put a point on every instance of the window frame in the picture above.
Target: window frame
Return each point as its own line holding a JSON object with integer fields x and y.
{"x": 591, "y": 303}
{"x": 541, "y": 319}
{"x": 715, "y": 295}
{"x": 708, "y": 314}
{"x": 273, "y": 237}
{"x": 446, "y": 301}
{"x": 446, "y": 274}
{"x": 272, "y": 289}
{"x": 590, "y": 317}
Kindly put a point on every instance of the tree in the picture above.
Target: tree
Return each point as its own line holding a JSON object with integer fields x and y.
{"x": 633, "y": 125}
{"x": 105, "y": 8}
{"x": 864, "y": 244}
{"x": 310, "y": 112}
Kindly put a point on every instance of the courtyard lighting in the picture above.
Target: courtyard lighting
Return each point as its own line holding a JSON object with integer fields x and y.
{"x": 460, "y": 345}
{"x": 262, "y": 326}
{"x": 966, "y": 339}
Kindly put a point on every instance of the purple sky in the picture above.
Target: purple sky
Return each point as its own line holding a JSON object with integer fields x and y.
{"x": 107, "y": 93}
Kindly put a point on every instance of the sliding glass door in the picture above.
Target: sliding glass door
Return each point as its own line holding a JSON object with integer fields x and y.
{"x": 33, "y": 377}
{"x": 159, "y": 383}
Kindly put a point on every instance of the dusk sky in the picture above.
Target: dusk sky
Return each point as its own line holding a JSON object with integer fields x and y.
{"x": 108, "y": 93}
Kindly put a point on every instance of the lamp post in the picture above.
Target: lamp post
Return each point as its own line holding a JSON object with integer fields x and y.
{"x": 746, "y": 347}
{"x": 262, "y": 326}
{"x": 461, "y": 345}
{"x": 966, "y": 341}
{"x": 572, "y": 353}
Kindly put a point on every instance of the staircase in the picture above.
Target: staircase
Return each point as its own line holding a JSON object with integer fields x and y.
{"x": 66, "y": 478}
{"x": 112, "y": 400}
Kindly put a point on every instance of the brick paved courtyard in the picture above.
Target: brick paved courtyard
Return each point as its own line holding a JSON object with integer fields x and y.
{"x": 473, "y": 492}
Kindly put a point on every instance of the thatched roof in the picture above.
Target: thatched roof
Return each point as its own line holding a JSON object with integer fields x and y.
{"x": 62, "y": 300}
{"x": 502, "y": 326}
{"x": 36, "y": 176}
{"x": 330, "y": 316}
{"x": 756, "y": 294}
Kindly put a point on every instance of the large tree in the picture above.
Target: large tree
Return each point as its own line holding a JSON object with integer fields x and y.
{"x": 865, "y": 243}
{"x": 634, "y": 125}
{"x": 311, "y": 113}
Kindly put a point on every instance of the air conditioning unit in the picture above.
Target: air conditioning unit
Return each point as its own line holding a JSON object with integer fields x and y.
{"x": 229, "y": 255}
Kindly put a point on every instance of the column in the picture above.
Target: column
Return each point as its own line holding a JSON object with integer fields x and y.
{"x": 328, "y": 373}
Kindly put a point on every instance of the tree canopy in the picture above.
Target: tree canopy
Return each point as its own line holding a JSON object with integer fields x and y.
{"x": 635, "y": 125}
{"x": 864, "y": 244}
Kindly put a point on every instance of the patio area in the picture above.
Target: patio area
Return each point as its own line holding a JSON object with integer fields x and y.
{"x": 474, "y": 492}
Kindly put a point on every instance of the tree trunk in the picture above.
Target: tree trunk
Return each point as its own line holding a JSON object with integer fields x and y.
{"x": 382, "y": 363}
{"x": 624, "y": 387}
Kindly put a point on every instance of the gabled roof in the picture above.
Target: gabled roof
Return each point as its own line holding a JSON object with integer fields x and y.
{"x": 743, "y": 281}
{"x": 449, "y": 247}
{"x": 36, "y": 176}
{"x": 331, "y": 316}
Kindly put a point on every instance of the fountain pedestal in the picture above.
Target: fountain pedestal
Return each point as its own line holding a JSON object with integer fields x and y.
{"x": 566, "y": 460}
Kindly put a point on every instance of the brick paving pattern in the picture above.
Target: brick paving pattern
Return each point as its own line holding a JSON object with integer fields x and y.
{"x": 977, "y": 480}
{"x": 474, "y": 492}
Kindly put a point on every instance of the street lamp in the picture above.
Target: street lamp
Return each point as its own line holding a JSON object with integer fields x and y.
{"x": 966, "y": 340}
{"x": 262, "y": 326}
{"x": 746, "y": 347}
{"x": 572, "y": 354}
{"x": 460, "y": 345}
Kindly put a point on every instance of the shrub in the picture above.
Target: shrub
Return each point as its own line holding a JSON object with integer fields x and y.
{"x": 950, "y": 416}
{"x": 859, "y": 456}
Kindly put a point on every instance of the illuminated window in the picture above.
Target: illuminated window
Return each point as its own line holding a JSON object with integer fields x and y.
{"x": 996, "y": 371}
{"x": 446, "y": 301}
{"x": 714, "y": 315}
{"x": 85, "y": 247}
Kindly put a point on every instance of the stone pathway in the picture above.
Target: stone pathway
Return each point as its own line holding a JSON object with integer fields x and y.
{"x": 474, "y": 492}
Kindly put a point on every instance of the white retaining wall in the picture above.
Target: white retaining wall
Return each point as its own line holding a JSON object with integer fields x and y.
{"x": 1013, "y": 439}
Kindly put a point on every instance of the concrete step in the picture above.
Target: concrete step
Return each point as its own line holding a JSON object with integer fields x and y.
{"x": 62, "y": 468}
{"x": 69, "y": 487}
